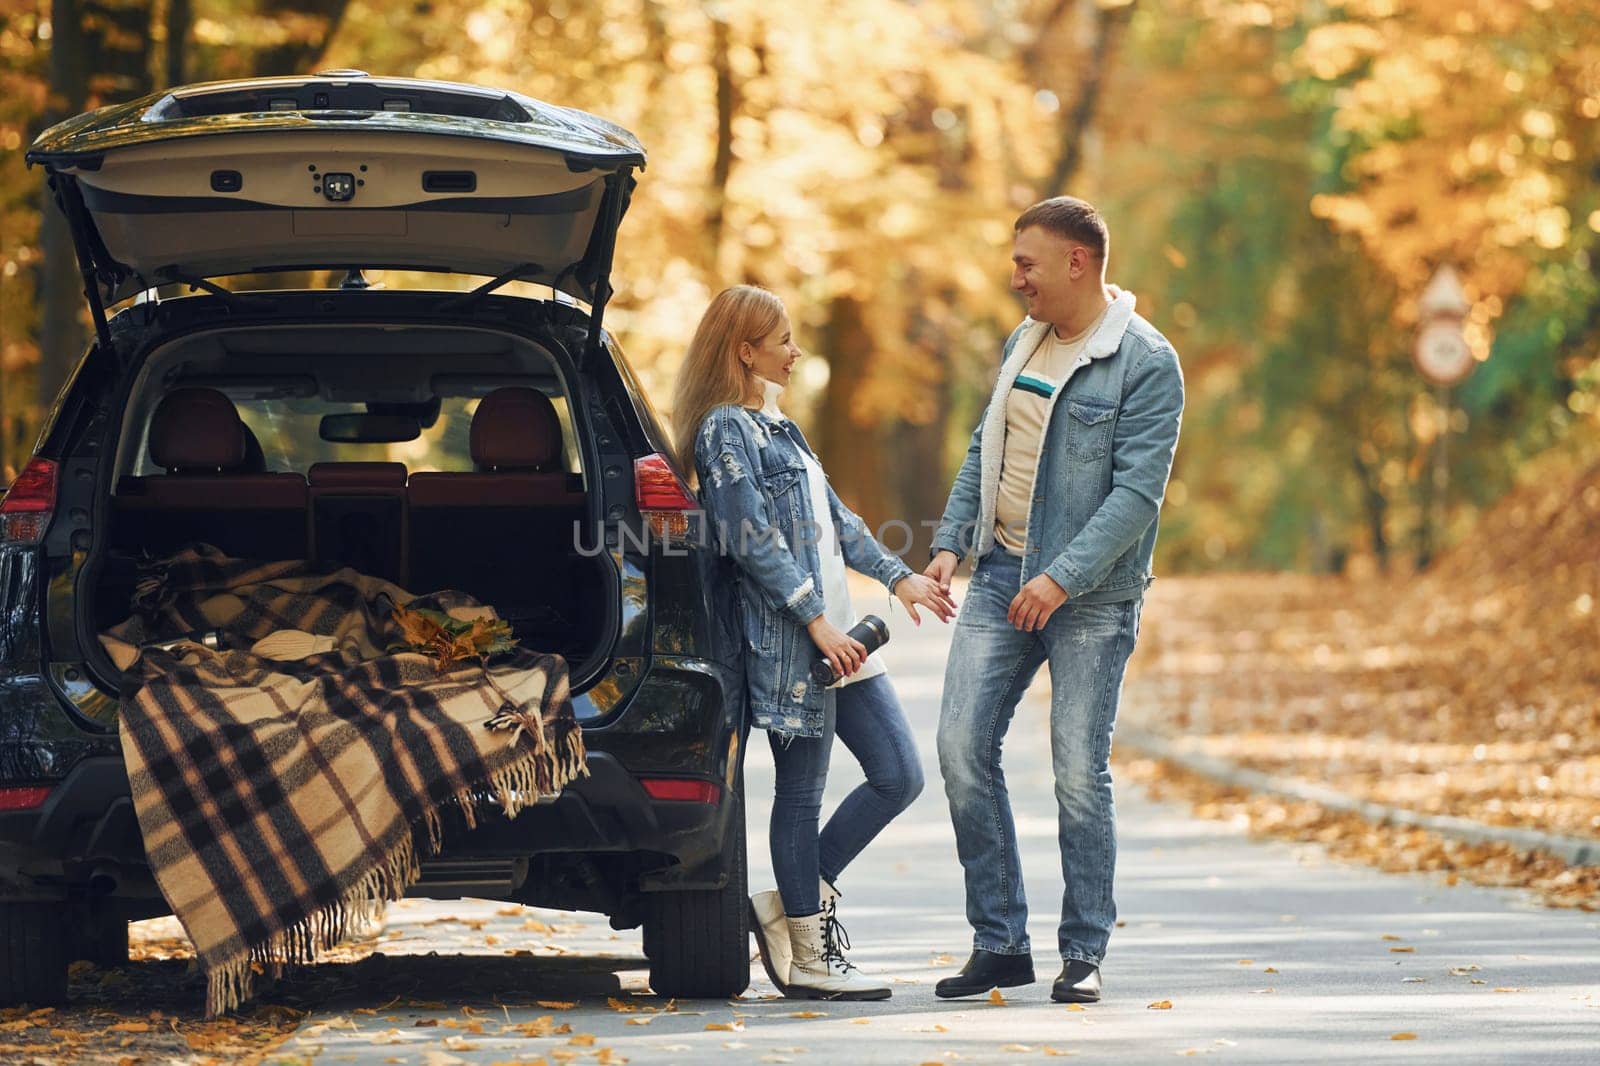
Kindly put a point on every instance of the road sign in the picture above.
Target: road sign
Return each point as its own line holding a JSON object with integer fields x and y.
{"x": 1441, "y": 353}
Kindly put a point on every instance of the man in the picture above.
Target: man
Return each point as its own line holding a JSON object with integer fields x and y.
{"x": 1057, "y": 498}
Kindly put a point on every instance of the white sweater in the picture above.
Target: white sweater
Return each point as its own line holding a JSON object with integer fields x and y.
{"x": 836, "y": 606}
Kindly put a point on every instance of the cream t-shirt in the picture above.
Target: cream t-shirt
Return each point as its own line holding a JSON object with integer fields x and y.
{"x": 1027, "y": 407}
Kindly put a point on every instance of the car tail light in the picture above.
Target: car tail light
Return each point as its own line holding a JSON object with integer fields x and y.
{"x": 25, "y": 511}
{"x": 662, "y": 497}
{"x": 23, "y": 799}
{"x": 679, "y": 788}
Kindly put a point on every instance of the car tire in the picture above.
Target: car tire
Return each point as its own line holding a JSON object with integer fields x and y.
{"x": 698, "y": 942}
{"x": 33, "y": 954}
{"x": 100, "y": 934}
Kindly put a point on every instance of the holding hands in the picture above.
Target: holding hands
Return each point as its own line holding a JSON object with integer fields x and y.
{"x": 847, "y": 655}
{"x": 943, "y": 568}
{"x": 915, "y": 589}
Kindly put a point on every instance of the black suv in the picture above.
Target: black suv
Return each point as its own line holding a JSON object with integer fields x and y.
{"x": 472, "y": 440}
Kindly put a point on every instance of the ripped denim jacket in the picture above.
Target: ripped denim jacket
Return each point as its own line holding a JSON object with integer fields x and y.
{"x": 760, "y": 512}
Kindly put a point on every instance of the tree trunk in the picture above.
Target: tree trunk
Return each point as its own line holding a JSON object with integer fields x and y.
{"x": 1376, "y": 506}
{"x": 99, "y": 54}
{"x": 298, "y": 56}
{"x": 917, "y": 488}
{"x": 722, "y": 161}
{"x": 180, "y": 14}
{"x": 1109, "y": 22}
{"x": 59, "y": 285}
{"x": 851, "y": 453}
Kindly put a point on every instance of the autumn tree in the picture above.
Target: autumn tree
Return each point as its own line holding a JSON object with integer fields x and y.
{"x": 88, "y": 53}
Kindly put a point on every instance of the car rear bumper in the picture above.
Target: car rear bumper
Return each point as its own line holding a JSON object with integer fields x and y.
{"x": 86, "y": 829}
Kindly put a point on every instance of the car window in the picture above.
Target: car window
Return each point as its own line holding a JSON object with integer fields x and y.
{"x": 287, "y": 428}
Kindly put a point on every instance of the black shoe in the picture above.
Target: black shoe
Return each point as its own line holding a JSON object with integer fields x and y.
{"x": 985, "y": 970}
{"x": 1079, "y": 983}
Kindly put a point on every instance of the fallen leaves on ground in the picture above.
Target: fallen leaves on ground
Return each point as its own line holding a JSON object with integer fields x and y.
{"x": 148, "y": 1014}
{"x": 996, "y": 998}
{"x": 1470, "y": 690}
{"x": 1160, "y": 1004}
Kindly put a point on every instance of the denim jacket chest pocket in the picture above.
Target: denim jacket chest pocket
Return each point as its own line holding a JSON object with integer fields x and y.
{"x": 1089, "y": 428}
{"x": 781, "y": 478}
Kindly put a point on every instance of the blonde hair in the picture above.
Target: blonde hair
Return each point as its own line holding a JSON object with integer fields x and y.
{"x": 712, "y": 373}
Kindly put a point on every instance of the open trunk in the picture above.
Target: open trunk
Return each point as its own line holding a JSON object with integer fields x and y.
{"x": 457, "y": 507}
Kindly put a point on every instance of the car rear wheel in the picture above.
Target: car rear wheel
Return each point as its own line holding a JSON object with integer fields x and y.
{"x": 100, "y": 934}
{"x": 33, "y": 954}
{"x": 698, "y": 943}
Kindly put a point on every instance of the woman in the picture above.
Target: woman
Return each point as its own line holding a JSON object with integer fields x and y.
{"x": 791, "y": 538}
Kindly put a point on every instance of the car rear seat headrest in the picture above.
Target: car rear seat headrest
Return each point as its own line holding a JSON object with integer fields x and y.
{"x": 197, "y": 430}
{"x": 516, "y": 428}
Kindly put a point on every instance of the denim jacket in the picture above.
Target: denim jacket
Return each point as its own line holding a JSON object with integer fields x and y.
{"x": 1104, "y": 460}
{"x": 760, "y": 511}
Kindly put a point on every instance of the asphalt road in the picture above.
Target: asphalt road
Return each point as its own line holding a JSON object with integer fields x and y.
{"x": 1241, "y": 951}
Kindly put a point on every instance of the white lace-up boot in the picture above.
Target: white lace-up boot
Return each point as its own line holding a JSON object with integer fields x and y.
{"x": 771, "y": 927}
{"x": 818, "y": 968}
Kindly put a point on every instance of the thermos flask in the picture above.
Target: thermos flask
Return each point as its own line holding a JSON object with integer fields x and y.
{"x": 870, "y": 631}
{"x": 211, "y": 638}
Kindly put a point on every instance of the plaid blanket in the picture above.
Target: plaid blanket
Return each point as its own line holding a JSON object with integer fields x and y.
{"x": 282, "y": 802}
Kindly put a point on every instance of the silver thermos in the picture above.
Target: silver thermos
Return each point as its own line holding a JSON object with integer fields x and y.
{"x": 211, "y": 638}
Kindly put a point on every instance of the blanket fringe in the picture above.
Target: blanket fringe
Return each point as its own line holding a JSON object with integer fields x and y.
{"x": 541, "y": 772}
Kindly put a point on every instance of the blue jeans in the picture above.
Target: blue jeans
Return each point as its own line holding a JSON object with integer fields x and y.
{"x": 991, "y": 664}
{"x": 868, "y": 718}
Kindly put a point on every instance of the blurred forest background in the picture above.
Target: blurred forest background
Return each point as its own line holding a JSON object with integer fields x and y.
{"x": 1281, "y": 179}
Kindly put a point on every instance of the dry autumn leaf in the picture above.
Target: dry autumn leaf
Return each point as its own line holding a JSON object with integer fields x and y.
{"x": 1160, "y": 1004}
{"x": 440, "y": 1058}
{"x": 725, "y": 1027}
{"x": 1402, "y": 1036}
{"x": 996, "y": 999}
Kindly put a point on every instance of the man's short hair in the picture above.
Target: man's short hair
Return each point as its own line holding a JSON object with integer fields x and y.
{"x": 1071, "y": 218}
